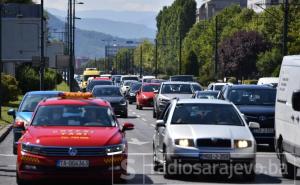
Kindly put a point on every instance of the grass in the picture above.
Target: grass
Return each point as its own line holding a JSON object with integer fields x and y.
{"x": 6, "y": 119}
{"x": 63, "y": 87}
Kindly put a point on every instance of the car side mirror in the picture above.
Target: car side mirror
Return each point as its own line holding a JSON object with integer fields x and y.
{"x": 296, "y": 100}
{"x": 160, "y": 123}
{"x": 254, "y": 125}
{"x": 12, "y": 112}
{"x": 155, "y": 92}
{"x": 127, "y": 127}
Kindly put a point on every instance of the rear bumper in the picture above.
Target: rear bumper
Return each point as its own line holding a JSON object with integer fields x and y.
{"x": 131, "y": 98}
{"x": 146, "y": 103}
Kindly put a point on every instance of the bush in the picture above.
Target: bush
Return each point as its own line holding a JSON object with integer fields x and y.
{"x": 9, "y": 88}
{"x": 29, "y": 78}
{"x": 250, "y": 82}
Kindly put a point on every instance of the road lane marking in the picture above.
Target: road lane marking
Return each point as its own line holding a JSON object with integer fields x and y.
{"x": 133, "y": 112}
{"x": 7, "y": 155}
{"x": 152, "y": 125}
{"x": 136, "y": 141}
{"x": 144, "y": 119}
{"x": 138, "y": 116}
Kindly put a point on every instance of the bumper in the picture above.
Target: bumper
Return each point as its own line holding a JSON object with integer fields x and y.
{"x": 46, "y": 168}
{"x": 146, "y": 103}
{"x": 131, "y": 98}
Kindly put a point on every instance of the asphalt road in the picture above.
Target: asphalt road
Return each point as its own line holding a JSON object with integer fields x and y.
{"x": 140, "y": 160}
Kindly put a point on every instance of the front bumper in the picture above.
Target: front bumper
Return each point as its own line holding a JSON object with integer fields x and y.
{"x": 119, "y": 109}
{"x": 104, "y": 167}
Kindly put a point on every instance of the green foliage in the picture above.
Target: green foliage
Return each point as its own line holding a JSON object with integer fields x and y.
{"x": 147, "y": 49}
{"x": 268, "y": 62}
{"x": 250, "y": 82}
{"x": 29, "y": 79}
{"x": 9, "y": 88}
{"x": 192, "y": 65}
{"x": 173, "y": 23}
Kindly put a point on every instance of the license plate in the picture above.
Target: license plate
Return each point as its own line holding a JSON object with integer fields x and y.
{"x": 73, "y": 163}
{"x": 215, "y": 156}
{"x": 263, "y": 131}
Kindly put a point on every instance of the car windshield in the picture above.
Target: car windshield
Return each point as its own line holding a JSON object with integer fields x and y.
{"x": 197, "y": 87}
{"x": 118, "y": 79}
{"x": 127, "y": 83}
{"x": 218, "y": 87}
{"x": 130, "y": 78}
{"x": 150, "y": 88}
{"x": 93, "y": 83}
{"x": 135, "y": 87}
{"x": 106, "y": 92}
{"x": 252, "y": 96}
{"x": 31, "y": 101}
{"x": 74, "y": 115}
{"x": 206, "y": 114}
{"x": 207, "y": 95}
{"x": 86, "y": 77}
{"x": 176, "y": 89}
{"x": 182, "y": 78}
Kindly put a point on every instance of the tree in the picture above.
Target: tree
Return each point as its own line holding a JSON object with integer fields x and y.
{"x": 192, "y": 67}
{"x": 147, "y": 49}
{"x": 239, "y": 53}
{"x": 269, "y": 62}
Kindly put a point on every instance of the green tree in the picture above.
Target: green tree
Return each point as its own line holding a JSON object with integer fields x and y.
{"x": 192, "y": 66}
{"x": 146, "y": 48}
{"x": 269, "y": 62}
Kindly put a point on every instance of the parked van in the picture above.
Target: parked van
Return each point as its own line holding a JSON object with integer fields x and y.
{"x": 268, "y": 81}
{"x": 287, "y": 116}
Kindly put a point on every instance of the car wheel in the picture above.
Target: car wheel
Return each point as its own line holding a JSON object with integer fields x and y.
{"x": 125, "y": 115}
{"x": 21, "y": 181}
{"x": 15, "y": 149}
{"x": 288, "y": 170}
{"x": 166, "y": 165}
{"x": 130, "y": 102}
{"x": 141, "y": 107}
{"x": 156, "y": 165}
{"x": 154, "y": 113}
{"x": 137, "y": 106}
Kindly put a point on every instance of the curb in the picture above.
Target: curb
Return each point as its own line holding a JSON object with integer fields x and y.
{"x": 5, "y": 131}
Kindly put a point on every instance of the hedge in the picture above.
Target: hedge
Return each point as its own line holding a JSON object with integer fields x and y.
{"x": 9, "y": 86}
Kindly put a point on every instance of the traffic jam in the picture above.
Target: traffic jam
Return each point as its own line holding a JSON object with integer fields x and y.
{"x": 79, "y": 135}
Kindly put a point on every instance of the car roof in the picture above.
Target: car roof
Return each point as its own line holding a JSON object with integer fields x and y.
{"x": 204, "y": 101}
{"x": 80, "y": 102}
{"x": 250, "y": 87}
{"x": 176, "y": 82}
{"x": 43, "y": 92}
{"x": 106, "y": 86}
{"x": 146, "y": 84}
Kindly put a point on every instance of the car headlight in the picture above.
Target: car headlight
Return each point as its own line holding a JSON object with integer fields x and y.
{"x": 34, "y": 149}
{"x": 145, "y": 97}
{"x": 123, "y": 102}
{"x": 242, "y": 144}
{"x": 184, "y": 142}
{"x": 115, "y": 150}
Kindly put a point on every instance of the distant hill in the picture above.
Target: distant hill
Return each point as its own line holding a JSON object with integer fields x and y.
{"x": 147, "y": 19}
{"x": 112, "y": 26}
{"x": 87, "y": 43}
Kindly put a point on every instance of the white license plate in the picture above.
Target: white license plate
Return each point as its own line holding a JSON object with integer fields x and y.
{"x": 263, "y": 131}
{"x": 214, "y": 156}
{"x": 73, "y": 163}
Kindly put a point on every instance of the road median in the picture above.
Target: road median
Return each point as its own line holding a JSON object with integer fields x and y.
{"x": 4, "y": 131}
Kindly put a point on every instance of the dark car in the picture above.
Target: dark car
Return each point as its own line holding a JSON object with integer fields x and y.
{"x": 206, "y": 94}
{"x": 182, "y": 78}
{"x": 116, "y": 79}
{"x": 257, "y": 103}
{"x": 24, "y": 113}
{"x": 93, "y": 83}
{"x": 134, "y": 88}
{"x": 113, "y": 95}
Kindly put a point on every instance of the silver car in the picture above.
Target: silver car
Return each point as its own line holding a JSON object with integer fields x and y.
{"x": 200, "y": 132}
{"x": 169, "y": 91}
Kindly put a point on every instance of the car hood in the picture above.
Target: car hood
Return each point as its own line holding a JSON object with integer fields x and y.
{"x": 116, "y": 99}
{"x": 172, "y": 96}
{"x": 210, "y": 131}
{"x": 148, "y": 94}
{"x": 74, "y": 136}
{"x": 254, "y": 109}
{"x": 25, "y": 115}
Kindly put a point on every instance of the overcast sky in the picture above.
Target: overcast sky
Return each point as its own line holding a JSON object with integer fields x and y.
{"x": 119, "y": 5}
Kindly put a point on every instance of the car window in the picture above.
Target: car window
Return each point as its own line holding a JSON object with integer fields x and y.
{"x": 176, "y": 89}
{"x": 150, "y": 88}
{"x": 135, "y": 87}
{"x": 73, "y": 115}
{"x": 31, "y": 101}
{"x": 106, "y": 92}
{"x": 206, "y": 114}
{"x": 207, "y": 95}
{"x": 197, "y": 87}
{"x": 218, "y": 87}
{"x": 253, "y": 96}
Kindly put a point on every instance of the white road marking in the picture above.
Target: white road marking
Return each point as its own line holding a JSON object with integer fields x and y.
{"x": 7, "y": 155}
{"x": 144, "y": 119}
{"x": 135, "y": 141}
{"x": 152, "y": 125}
{"x": 138, "y": 116}
{"x": 133, "y": 113}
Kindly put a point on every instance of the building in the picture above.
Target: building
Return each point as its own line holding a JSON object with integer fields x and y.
{"x": 209, "y": 8}
{"x": 112, "y": 50}
{"x": 21, "y": 33}
{"x": 260, "y": 5}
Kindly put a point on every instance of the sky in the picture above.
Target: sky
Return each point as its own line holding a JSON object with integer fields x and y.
{"x": 117, "y": 5}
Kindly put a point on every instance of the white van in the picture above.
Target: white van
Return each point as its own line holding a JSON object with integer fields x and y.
{"x": 268, "y": 81}
{"x": 287, "y": 116}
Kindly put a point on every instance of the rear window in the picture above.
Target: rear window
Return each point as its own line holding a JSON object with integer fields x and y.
{"x": 182, "y": 78}
{"x": 130, "y": 78}
{"x": 150, "y": 88}
{"x": 176, "y": 89}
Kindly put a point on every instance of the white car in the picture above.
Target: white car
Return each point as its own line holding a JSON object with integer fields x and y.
{"x": 125, "y": 86}
{"x": 217, "y": 86}
{"x": 198, "y": 131}
{"x": 147, "y": 79}
{"x": 268, "y": 81}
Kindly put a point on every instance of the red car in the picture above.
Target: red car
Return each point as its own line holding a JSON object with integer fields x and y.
{"x": 144, "y": 97}
{"x": 73, "y": 137}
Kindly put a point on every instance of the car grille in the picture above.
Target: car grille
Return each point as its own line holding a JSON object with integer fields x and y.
{"x": 64, "y": 151}
{"x": 214, "y": 143}
{"x": 115, "y": 104}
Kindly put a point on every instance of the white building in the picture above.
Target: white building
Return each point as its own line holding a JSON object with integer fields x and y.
{"x": 260, "y": 5}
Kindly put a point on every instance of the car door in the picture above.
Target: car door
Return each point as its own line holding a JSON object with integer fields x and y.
{"x": 162, "y": 132}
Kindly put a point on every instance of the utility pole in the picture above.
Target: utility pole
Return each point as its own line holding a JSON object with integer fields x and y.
{"x": 180, "y": 48}
{"x": 71, "y": 43}
{"x": 156, "y": 59}
{"x": 141, "y": 61}
{"x": 42, "y": 65}
{"x": 285, "y": 28}
{"x": 216, "y": 48}
{"x": 1, "y": 90}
